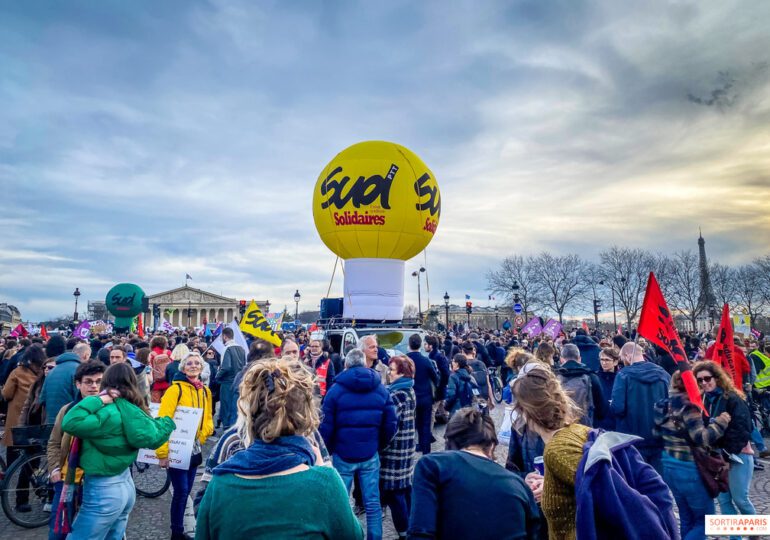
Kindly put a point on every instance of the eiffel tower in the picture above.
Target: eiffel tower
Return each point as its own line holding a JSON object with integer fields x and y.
{"x": 707, "y": 302}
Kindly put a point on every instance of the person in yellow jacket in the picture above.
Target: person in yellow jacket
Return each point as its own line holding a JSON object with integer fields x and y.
{"x": 186, "y": 390}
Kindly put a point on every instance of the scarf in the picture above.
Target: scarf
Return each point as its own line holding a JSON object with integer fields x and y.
{"x": 263, "y": 458}
{"x": 70, "y": 499}
{"x": 196, "y": 383}
{"x": 404, "y": 383}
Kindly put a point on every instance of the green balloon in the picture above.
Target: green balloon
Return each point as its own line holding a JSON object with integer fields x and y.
{"x": 125, "y": 301}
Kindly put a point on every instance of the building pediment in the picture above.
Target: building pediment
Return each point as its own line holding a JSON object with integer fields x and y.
{"x": 184, "y": 295}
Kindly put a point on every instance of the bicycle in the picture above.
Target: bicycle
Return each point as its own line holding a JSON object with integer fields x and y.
{"x": 150, "y": 481}
{"x": 497, "y": 384}
{"x": 26, "y": 491}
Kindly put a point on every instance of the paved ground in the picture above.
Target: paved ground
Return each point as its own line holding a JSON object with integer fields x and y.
{"x": 149, "y": 519}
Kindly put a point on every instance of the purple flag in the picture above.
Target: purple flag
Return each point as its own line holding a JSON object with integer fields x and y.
{"x": 552, "y": 328}
{"x": 83, "y": 330}
{"x": 533, "y": 327}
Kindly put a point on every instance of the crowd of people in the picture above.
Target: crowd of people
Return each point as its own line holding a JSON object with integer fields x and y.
{"x": 308, "y": 438}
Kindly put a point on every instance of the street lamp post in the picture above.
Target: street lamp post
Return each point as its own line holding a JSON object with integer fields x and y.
{"x": 515, "y": 287}
{"x": 416, "y": 274}
{"x": 189, "y": 312}
{"x": 296, "y": 306}
{"x": 76, "y": 294}
{"x": 446, "y": 307}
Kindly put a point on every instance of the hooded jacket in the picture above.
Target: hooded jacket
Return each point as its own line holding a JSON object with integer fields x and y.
{"x": 359, "y": 417}
{"x": 589, "y": 352}
{"x": 572, "y": 369}
{"x": 59, "y": 386}
{"x": 454, "y": 390}
{"x": 183, "y": 394}
{"x": 619, "y": 495}
{"x": 637, "y": 388}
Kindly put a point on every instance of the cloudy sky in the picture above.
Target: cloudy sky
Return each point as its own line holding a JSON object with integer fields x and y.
{"x": 140, "y": 141}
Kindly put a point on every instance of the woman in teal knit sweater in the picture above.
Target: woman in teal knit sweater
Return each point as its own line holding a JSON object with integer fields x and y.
{"x": 276, "y": 487}
{"x": 112, "y": 427}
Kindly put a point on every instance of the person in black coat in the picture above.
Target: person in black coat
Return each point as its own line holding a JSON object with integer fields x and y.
{"x": 445, "y": 482}
{"x": 720, "y": 395}
{"x": 589, "y": 350}
{"x": 442, "y": 364}
{"x": 426, "y": 378}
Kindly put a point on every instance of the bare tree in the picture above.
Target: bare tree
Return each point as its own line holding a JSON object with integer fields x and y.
{"x": 625, "y": 272}
{"x": 561, "y": 279}
{"x": 684, "y": 285}
{"x": 411, "y": 311}
{"x": 763, "y": 265}
{"x": 515, "y": 269}
{"x": 724, "y": 283}
{"x": 749, "y": 294}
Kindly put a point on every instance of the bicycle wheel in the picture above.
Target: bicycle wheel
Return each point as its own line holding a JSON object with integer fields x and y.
{"x": 497, "y": 389}
{"x": 27, "y": 483}
{"x": 151, "y": 481}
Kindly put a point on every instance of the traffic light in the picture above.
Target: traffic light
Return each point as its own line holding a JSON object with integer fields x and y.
{"x": 242, "y": 307}
{"x": 468, "y": 307}
{"x": 597, "y": 306}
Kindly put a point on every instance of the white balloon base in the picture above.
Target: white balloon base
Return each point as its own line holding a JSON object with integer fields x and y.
{"x": 374, "y": 289}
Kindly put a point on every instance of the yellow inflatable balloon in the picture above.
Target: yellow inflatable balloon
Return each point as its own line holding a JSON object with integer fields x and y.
{"x": 376, "y": 199}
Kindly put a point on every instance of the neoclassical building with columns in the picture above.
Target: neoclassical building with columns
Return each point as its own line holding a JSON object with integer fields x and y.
{"x": 213, "y": 307}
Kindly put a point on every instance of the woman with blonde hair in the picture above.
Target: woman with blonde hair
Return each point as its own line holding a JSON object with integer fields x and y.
{"x": 719, "y": 396}
{"x": 186, "y": 390}
{"x": 277, "y": 479}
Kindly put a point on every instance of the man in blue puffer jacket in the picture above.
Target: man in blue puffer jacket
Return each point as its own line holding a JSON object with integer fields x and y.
{"x": 359, "y": 418}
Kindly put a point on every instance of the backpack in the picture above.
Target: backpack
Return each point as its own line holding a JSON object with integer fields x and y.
{"x": 467, "y": 393}
{"x": 159, "y": 362}
{"x": 579, "y": 389}
{"x": 480, "y": 375}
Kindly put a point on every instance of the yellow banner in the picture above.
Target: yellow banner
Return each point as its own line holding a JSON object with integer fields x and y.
{"x": 255, "y": 324}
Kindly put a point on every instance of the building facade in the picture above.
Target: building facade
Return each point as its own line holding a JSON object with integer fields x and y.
{"x": 174, "y": 306}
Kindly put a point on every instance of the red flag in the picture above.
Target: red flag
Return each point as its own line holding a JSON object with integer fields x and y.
{"x": 585, "y": 326}
{"x": 21, "y": 330}
{"x": 657, "y": 325}
{"x": 140, "y": 326}
{"x": 43, "y": 332}
{"x": 724, "y": 348}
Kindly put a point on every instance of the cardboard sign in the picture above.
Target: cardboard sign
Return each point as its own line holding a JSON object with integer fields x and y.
{"x": 182, "y": 440}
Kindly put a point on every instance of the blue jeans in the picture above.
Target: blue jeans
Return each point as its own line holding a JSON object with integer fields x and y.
{"x": 107, "y": 502}
{"x": 740, "y": 482}
{"x": 398, "y": 500}
{"x": 182, "y": 481}
{"x": 756, "y": 438}
{"x": 368, "y": 473}
{"x": 228, "y": 410}
{"x": 57, "y": 487}
{"x": 691, "y": 497}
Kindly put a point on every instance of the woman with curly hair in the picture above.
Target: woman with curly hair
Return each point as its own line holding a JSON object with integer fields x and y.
{"x": 720, "y": 395}
{"x": 277, "y": 480}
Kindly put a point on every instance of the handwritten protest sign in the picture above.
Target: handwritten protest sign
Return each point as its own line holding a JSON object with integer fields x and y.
{"x": 182, "y": 440}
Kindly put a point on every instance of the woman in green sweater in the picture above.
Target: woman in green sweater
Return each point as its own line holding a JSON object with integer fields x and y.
{"x": 276, "y": 487}
{"x": 112, "y": 426}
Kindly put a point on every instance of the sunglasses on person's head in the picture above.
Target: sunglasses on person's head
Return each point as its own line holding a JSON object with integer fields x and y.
{"x": 705, "y": 378}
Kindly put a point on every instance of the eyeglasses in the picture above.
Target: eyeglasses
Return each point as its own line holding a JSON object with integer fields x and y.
{"x": 91, "y": 382}
{"x": 49, "y": 368}
{"x": 706, "y": 379}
